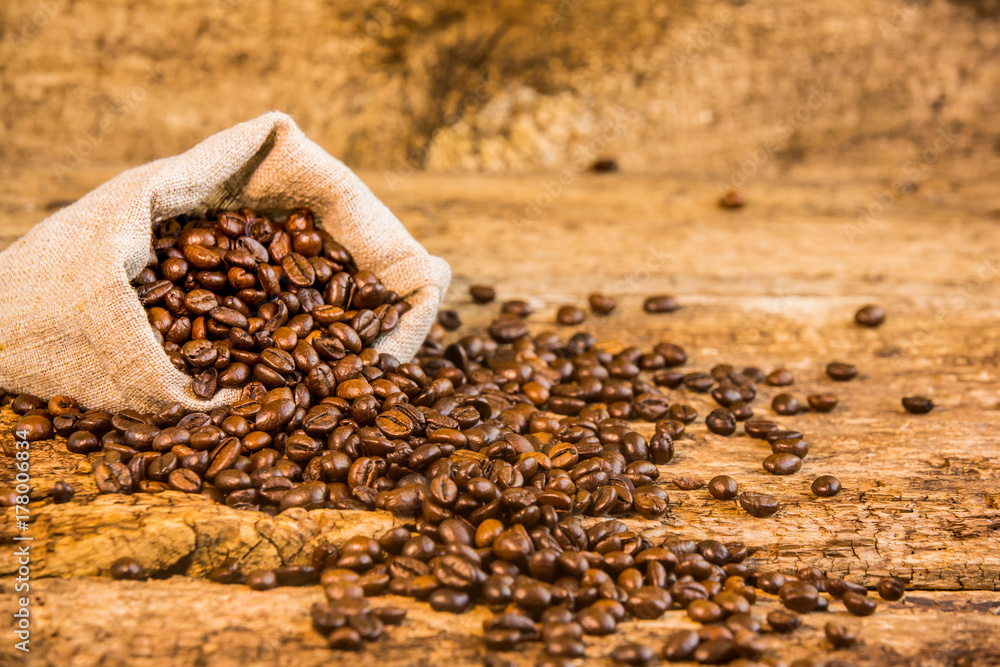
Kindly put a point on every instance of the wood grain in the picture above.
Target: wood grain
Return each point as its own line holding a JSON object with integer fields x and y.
{"x": 775, "y": 284}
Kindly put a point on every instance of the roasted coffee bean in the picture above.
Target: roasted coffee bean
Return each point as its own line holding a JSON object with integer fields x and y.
{"x": 633, "y": 654}
{"x": 840, "y": 371}
{"x": 782, "y": 464}
{"x": 449, "y": 319}
{"x": 780, "y": 378}
{"x": 891, "y": 589}
{"x": 782, "y": 621}
{"x": 601, "y": 304}
{"x": 822, "y": 402}
{"x": 723, "y": 487}
{"x": 799, "y": 596}
{"x": 569, "y": 315}
{"x": 758, "y": 504}
{"x": 680, "y": 646}
{"x": 857, "y": 604}
{"x": 688, "y": 483}
{"x": 482, "y": 293}
{"x": 112, "y": 478}
{"x": 870, "y": 316}
{"x": 918, "y": 405}
{"x": 826, "y": 486}
{"x": 34, "y": 428}
{"x": 721, "y": 422}
{"x": 785, "y": 404}
{"x": 345, "y": 639}
{"x": 660, "y": 304}
{"x": 508, "y": 330}
{"x": 127, "y": 568}
{"x": 63, "y": 492}
{"x": 450, "y": 600}
{"x": 759, "y": 428}
{"x": 839, "y": 635}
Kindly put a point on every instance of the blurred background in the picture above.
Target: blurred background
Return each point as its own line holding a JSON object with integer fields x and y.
{"x": 726, "y": 90}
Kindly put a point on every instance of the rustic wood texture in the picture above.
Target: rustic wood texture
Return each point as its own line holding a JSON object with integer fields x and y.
{"x": 774, "y": 284}
{"x": 719, "y": 87}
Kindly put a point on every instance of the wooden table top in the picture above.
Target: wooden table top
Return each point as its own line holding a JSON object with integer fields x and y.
{"x": 774, "y": 284}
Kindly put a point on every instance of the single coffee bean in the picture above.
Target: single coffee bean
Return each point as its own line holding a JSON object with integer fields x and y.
{"x": 721, "y": 422}
{"x": 826, "y": 486}
{"x": 857, "y": 604}
{"x": 569, "y": 315}
{"x": 449, "y": 319}
{"x": 770, "y": 581}
{"x": 345, "y": 639}
{"x": 918, "y": 405}
{"x": 891, "y": 589}
{"x": 63, "y": 492}
{"x": 870, "y": 316}
{"x": 633, "y": 654}
{"x": 508, "y": 330}
{"x": 799, "y": 596}
{"x": 34, "y": 428}
{"x": 680, "y": 646}
{"x": 127, "y": 568}
{"x": 782, "y": 621}
{"x": 782, "y": 464}
{"x": 797, "y": 448}
{"x": 482, "y": 293}
{"x": 518, "y": 307}
{"x": 780, "y": 378}
{"x": 723, "y": 487}
{"x": 601, "y": 304}
{"x": 688, "y": 483}
{"x": 758, "y": 504}
{"x": 759, "y": 428}
{"x": 785, "y": 404}
{"x": 822, "y": 402}
{"x": 262, "y": 580}
{"x": 841, "y": 372}
{"x": 660, "y": 304}
{"x": 839, "y": 635}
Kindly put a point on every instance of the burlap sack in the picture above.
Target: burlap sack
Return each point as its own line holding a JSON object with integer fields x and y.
{"x": 70, "y": 322}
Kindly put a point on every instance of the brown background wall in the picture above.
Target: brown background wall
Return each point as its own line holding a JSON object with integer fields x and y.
{"x": 716, "y": 88}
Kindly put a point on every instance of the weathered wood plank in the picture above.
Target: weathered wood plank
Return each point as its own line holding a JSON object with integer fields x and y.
{"x": 185, "y": 621}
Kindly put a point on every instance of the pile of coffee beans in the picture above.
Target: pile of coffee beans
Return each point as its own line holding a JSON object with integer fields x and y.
{"x": 494, "y": 448}
{"x": 236, "y": 297}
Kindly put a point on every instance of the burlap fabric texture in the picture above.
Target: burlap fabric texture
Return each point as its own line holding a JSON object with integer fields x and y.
{"x": 70, "y": 322}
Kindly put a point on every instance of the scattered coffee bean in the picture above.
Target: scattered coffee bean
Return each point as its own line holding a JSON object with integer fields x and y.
{"x": 633, "y": 654}
{"x": 785, "y": 404}
{"x": 482, "y": 293}
{"x": 799, "y": 596}
{"x": 723, "y": 487}
{"x": 688, "y": 483}
{"x": 840, "y": 371}
{"x": 918, "y": 405}
{"x": 780, "y": 378}
{"x": 758, "y": 504}
{"x": 782, "y": 621}
{"x": 517, "y": 307}
{"x": 870, "y": 316}
{"x": 449, "y": 319}
{"x": 127, "y": 568}
{"x": 721, "y": 422}
{"x": 891, "y": 589}
{"x": 822, "y": 402}
{"x": 839, "y": 635}
{"x": 826, "y": 486}
{"x": 782, "y": 464}
{"x": 859, "y": 605}
{"x": 660, "y": 304}
{"x": 601, "y": 304}
{"x": 732, "y": 199}
{"x": 569, "y": 315}
{"x": 62, "y": 492}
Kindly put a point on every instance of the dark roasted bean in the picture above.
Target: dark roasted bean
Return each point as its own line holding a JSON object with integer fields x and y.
{"x": 870, "y": 316}
{"x": 826, "y": 486}
{"x": 918, "y": 405}
{"x": 723, "y": 487}
{"x": 840, "y": 371}
{"x": 758, "y": 504}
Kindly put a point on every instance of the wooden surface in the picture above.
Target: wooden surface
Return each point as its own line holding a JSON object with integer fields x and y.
{"x": 774, "y": 284}
{"x": 727, "y": 88}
